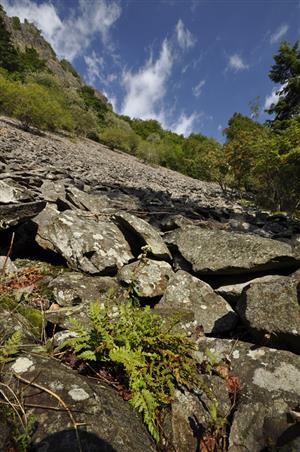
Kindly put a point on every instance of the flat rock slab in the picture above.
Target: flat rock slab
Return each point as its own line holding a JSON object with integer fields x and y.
{"x": 109, "y": 423}
{"x": 273, "y": 309}
{"x": 13, "y": 214}
{"x": 143, "y": 233}
{"x": 73, "y": 288}
{"x": 150, "y": 278}
{"x": 224, "y": 252}
{"x": 10, "y": 194}
{"x": 270, "y": 393}
{"x": 187, "y": 294}
{"x": 232, "y": 292}
{"x": 88, "y": 245}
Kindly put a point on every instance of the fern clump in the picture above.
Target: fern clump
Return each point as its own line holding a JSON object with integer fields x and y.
{"x": 10, "y": 347}
{"x": 148, "y": 354}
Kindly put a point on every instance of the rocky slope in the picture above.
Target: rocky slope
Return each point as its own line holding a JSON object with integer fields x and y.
{"x": 79, "y": 214}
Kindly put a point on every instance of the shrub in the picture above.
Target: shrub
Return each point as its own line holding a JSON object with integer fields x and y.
{"x": 118, "y": 138}
{"x": 143, "y": 350}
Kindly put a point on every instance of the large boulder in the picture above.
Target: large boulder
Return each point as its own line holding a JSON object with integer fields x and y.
{"x": 272, "y": 310}
{"x": 140, "y": 233}
{"x": 198, "y": 304}
{"x": 89, "y": 245}
{"x": 223, "y": 252}
{"x": 73, "y": 288}
{"x": 105, "y": 421}
{"x": 149, "y": 278}
{"x": 13, "y": 214}
{"x": 268, "y": 383}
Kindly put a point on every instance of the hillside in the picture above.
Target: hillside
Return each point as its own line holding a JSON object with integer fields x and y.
{"x": 74, "y": 218}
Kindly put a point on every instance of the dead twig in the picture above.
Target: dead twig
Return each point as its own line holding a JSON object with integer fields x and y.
{"x": 8, "y": 253}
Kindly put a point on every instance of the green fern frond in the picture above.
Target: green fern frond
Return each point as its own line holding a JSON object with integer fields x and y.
{"x": 10, "y": 347}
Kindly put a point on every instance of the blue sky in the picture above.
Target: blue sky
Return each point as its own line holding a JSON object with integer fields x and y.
{"x": 188, "y": 63}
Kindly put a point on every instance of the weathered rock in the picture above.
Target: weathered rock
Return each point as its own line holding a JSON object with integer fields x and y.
{"x": 72, "y": 288}
{"x": 96, "y": 204}
{"x": 273, "y": 308}
{"x": 9, "y": 193}
{"x": 232, "y": 292}
{"x": 7, "y": 266}
{"x": 52, "y": 191}
{"x": 186, "y": 294}
{"x": 62, "y": 316}
{"x": 225, "y": 252}
{"x": 140, "y": 233}
{"x": 150, "y": 278}
{"x": 96, "y": 247}
{"x": 12, "y": 214}
{"x": 109, "y": 422}
{"x": 269, "y": 383}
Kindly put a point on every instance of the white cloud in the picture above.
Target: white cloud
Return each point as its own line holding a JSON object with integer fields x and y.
{"x": 273, "y": 98}
{"x": 184, "y": 36}
{"x": 197, "y": 90}
{"x": 236, "y": 63}
{"x": 94, "y": 66}
{"x": 146, "y": 88}
{"x": 71, "y": 36}
{"x": 279, "y": 33}
{"x": 185, "y": 124}
{"x": 220, "y": 127}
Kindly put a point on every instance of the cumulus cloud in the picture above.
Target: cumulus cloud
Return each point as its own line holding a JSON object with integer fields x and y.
{"x": 236, "y": 63}
{"x": 146, "y": 87}
{"x": 279, "y": 33}
{"x": 185, "y": 38}
{"x": 71, "y": 36}
{"x": 197, "y": 90}
{"x": 185, "y": 124}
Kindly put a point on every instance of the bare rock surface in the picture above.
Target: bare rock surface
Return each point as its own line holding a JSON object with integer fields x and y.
{"x": 269, "y": 383}
{"x": 273, "y": 309}
{"x": 197, "y": 302}
{"x": 87, "y": 244}
{"x": 150, "y": 278}
{"x": 224, "y": 252}
{"x": 109, "y": 422}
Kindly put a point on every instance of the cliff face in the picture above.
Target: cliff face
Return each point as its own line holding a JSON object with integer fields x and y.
{"x": 28, "y": 35}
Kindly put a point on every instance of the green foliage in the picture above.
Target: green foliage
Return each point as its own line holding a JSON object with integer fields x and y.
{"x": 9, "y": 58}
{"x": 10, "y": 348}
{"x": 286, "y": 71}
{"x": 93, "y": 102}
{"x": 16, "y": 23}
{"x": 119, "y": 138}
{"x": 67, "y": 66}
{"x": 152, "y": 357}
{"x": 29, "y": 61}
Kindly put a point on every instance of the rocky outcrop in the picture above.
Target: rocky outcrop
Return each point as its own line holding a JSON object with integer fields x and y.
{"x": 98, "y": 225}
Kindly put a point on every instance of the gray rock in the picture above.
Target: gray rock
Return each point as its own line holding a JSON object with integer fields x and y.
{"x": 272, "y": 308}
{"x": 13, "y": 214}
{"x": 225, "y": 252}
{"x": 73, "y": 288}
{"x": 11, "y": 194}
{"x": 150, "y": 278}
{"x": 94, "y": 203}
{"x": 52, "y": 191}
{"x": 142, "y": 233}
{"x": 186, "y": 294}
{"x": 269, "y": 391}
{"x": 96, "y": 247}
{"x": 233, "y": 291}
{"x": 109, "y": 423}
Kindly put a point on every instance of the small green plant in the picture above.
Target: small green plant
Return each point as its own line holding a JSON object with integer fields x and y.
{"x": 10, "y": 348}
{"x": 148, "y": 356}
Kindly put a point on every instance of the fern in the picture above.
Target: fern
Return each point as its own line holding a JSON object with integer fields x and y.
{"x": 144, "y": 348}
{"x": 10, "y": 347}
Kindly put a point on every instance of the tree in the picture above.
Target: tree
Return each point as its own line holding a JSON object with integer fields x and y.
{"x": 286, "y": 71}
{"x": 9, "y": 58}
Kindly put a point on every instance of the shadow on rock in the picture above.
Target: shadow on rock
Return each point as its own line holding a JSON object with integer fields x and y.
{"x": 66, "y": 441}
